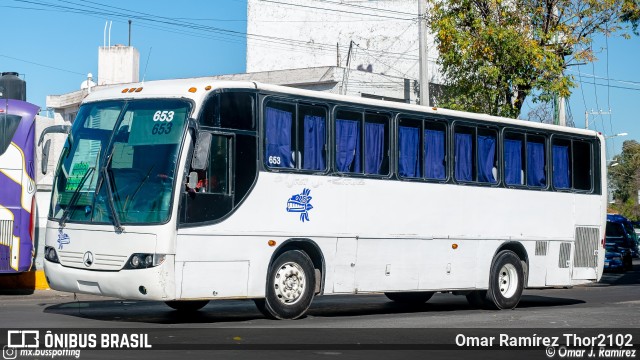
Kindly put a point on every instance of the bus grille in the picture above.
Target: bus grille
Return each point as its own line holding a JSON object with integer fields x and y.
{"x": 6, "y": 237}
{"x": 587, "y": 240}
{"x": 101, "y": 261}
{"x": 565, "y": 255}
{"x": 541, "y": 248}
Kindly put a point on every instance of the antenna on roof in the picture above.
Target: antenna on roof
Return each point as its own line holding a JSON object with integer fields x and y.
{"x": 147, "y": 64}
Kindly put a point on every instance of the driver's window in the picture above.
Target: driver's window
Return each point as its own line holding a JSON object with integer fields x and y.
{"x": 213, "y": 196}
{"x": 216, "y": 178}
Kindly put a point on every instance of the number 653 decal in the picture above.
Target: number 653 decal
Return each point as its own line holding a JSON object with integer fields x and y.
{"x": 163, "y": 115}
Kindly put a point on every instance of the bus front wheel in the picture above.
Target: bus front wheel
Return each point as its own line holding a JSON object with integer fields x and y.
{"x": 506, "y": 281}
{"x": 290, "y": 286}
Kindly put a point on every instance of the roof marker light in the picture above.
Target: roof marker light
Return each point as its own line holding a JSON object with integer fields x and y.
{"x": 192, "y": 90}
{"x": 132, "y": 90}
{"x": 208, "y": 87}
{"x": 139, "y": 89}
{"x": 434, "y": 108}
{"x": 125, "y": 90}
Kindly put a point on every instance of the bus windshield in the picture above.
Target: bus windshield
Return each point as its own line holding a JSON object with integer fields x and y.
{"x": 122, "y": 153}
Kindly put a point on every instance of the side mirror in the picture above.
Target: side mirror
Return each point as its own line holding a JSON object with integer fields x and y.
{"x": 45, "y": 157}
{"x": 192, "y": 180}
{"x": 56, "y": 129}
{"x": 200, "y": 160}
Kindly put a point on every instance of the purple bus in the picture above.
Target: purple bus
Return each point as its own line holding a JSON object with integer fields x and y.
{"x": 17, "y": 185}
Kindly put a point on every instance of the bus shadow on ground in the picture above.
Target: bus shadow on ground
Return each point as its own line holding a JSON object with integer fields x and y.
{"x": 229, "y": 311}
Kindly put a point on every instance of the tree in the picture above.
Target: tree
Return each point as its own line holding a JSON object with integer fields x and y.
{"x": 624, "y": 179}
{"x": 495, "y": 53}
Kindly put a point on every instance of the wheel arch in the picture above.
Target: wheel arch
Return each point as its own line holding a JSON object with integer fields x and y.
{"x": 312, "y": 250}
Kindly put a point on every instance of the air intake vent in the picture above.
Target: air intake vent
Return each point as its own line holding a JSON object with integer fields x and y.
{"x": 565, "y": 255}
{"x": 6, "y": 237}
{"x": 541, "y": 248}
{"x": 586, "y": 251}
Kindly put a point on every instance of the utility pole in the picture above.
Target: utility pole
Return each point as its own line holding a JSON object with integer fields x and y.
{"x": 562, "y": 116}
{"x": 592, "y": 112}
{"x": 423, "y": 49}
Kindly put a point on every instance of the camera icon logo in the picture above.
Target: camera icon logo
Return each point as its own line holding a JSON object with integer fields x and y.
{"x": 9, "y": 353}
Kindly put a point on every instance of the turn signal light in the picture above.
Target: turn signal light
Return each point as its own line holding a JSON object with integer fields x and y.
{"x": 50, "y": 254}
{"x": 454, "y": 246}
{"x": 272, "y": 243}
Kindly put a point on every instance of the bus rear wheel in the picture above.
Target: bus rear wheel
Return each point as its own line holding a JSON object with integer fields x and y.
{"x": 506, "y": 281}
{"x": 416, "y": 297}
{"x": 187, "y": 305}
{"x": 290, "y": 286}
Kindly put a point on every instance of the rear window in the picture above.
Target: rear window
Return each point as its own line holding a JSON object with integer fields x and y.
{"x": 8, "y": 126}
{"x": 615, "y": 229}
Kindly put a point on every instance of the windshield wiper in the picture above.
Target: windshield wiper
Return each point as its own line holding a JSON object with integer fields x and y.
{"x": 112, "y": 205}
{"x": 75, "y": 197}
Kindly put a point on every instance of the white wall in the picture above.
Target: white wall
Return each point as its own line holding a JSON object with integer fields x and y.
{"x": 118, "y": 64}
{"x": 313, "y": 28}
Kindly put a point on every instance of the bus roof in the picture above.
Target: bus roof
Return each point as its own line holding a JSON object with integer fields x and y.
{"x": 197, "y": 89}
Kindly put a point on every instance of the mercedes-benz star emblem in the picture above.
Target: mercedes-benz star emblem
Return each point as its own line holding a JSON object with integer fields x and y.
{"x": 87, "y": 259}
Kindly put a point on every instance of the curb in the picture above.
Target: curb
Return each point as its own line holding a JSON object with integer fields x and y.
{"x": 30, "y": 280}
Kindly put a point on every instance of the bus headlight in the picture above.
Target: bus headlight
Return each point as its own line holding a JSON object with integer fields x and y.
{"x": 51, "y": 254}
{"x": 144, "y": 261}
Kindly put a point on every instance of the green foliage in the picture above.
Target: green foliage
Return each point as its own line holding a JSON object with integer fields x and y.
{"x": 495, "y": 53}
{"x": 624, "y": 180}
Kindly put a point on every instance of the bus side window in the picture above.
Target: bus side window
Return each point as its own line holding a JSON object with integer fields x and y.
{"x": 582, "y": 160}
{"x": 487, "y": 156}
{"x": 465, "y": 153}
{"x": 561, "y": 164}
{"x": 513, "y": 159}
{"x": 279, "y": 135}
{"x": 536, "y": 161}
{"x": 312, "y": 138}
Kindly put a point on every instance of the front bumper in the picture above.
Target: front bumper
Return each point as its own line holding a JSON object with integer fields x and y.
{"x": 156, "y": 283}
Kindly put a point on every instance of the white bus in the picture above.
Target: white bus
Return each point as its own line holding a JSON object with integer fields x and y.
{"x": 191, "y": 190}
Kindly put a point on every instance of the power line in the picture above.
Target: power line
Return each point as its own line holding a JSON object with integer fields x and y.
{"x": 337, "y": 10}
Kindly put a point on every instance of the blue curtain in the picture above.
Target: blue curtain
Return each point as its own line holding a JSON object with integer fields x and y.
{"x": 374, "y": 147}
{"x": 535, "y": 164}
{"x": 348, "y": 145}
{"x": 513, "y": 162}
{"x": 561, "y": 166}
{"x": 434, "y": 154}
{"x": 464, "y": 165}
{"x": 314, "y": 138}
{"x": 278, "y": 138}
{"x": 486, "y": 158}
{"x": 408, "y": 144}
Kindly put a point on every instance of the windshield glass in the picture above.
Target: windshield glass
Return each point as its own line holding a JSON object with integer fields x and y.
{"x": 138, "y": 142}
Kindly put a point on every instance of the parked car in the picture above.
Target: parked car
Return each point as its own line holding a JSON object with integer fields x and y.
{"x": 617, "y": 258}
{"x": 619, "y": 226}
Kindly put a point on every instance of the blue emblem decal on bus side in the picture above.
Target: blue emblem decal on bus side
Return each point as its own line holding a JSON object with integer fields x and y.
{"x": 300, "y": 203}
{"x": 63, "y": 239}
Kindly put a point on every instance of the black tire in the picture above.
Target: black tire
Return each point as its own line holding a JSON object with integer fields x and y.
{"x": 506, "y": 281}
{"x": 478, "y": 299}
{"x": 290, "y": 300}
{"x": 416, "y": 297}
{"x": 187, "y": 305}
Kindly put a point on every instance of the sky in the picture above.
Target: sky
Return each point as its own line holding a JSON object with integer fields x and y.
{"x": 53, "y": 44}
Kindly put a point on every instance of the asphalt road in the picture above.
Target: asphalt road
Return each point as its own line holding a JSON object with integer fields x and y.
{"x": 333, "y": 323}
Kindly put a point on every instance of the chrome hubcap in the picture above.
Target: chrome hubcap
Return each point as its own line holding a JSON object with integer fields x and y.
{"x": 289, "y": 283}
